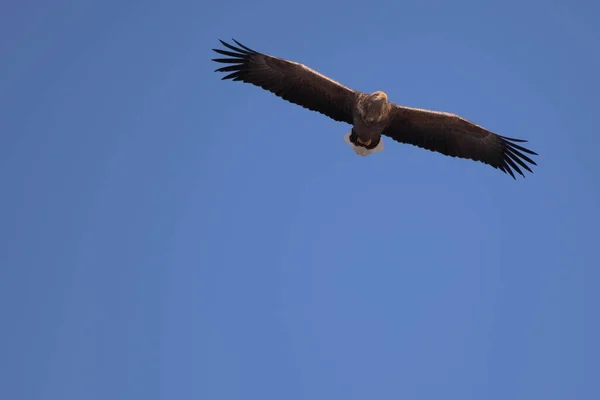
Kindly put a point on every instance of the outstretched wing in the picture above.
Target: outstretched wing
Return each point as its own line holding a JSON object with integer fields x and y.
{"x": 454, "y": 136}
{"x": 289, "y": 80}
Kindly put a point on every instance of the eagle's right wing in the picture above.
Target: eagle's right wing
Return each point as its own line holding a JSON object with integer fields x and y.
{"x": 454, "y": 136}
{"x": 289, "y": 80}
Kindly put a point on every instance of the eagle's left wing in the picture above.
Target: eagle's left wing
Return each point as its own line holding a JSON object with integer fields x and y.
{"x": 289, "y": 80}
{"x": 454, "y": 136}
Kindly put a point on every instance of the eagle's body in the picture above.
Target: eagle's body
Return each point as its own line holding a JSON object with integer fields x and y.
{"x": 372, "y": 115}
{"x": 369, "y": 118}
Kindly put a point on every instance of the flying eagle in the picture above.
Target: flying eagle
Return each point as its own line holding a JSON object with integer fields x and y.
{"x": 372, "y": 115}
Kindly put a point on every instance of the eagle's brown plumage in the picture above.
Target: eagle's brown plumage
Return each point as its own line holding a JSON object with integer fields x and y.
{"x": 291, "y": 81}
{"x": 445, "y": 133}
{"x": 454, "y": 136}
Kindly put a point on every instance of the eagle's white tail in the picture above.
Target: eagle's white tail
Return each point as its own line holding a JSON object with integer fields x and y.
{"x": 361, "y": 151}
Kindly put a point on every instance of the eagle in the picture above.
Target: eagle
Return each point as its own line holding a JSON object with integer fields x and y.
{"x": 372, "y": 114}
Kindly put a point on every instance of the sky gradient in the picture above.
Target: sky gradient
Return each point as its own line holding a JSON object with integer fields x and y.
{"x": 168, "y": 235}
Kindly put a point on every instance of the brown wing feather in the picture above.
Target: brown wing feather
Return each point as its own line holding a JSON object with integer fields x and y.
{"x": 455, "y": 136}
{"x": 289, "y": 80}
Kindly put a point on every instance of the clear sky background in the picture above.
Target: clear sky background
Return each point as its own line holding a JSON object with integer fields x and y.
{"x": 167, "y": 235}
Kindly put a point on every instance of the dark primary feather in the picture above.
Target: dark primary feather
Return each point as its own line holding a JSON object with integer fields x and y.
{"x": 289, "y": 80}
{"x": 454, "y": 136}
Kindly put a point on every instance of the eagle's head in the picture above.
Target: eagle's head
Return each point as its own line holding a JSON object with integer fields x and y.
{"x": 379, "y": 95}
{"x": 374, "y": 107}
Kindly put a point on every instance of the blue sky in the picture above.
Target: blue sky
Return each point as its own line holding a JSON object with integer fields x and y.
{"x": 167, "y": 235}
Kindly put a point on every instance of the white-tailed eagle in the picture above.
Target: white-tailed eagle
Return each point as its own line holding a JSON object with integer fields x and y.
{"x": 372, "y": 115}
